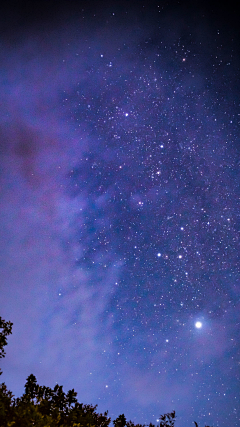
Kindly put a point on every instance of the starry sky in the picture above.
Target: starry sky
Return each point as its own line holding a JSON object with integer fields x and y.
{"x": 120, "y": 206}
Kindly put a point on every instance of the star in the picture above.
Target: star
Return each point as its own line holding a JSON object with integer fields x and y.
{"x": 198, "y": 325}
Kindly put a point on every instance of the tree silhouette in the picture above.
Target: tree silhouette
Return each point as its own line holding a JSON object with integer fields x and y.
{"x": 120, "y": 421}
{"x": 71, "y": 397}
{"x": 5, "y": 330}
{"x": 31, "y": 388}
{"x": 131, "y": 424}
{"x": 168, "y": 420}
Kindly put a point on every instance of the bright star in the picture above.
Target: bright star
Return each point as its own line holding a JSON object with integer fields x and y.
{"x": 198, "y": 325}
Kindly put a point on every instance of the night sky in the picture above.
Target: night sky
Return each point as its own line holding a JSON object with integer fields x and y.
{"x": 120, "y": 206}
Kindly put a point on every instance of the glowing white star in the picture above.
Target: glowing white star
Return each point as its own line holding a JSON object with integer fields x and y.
{"x": 198, "y": 325}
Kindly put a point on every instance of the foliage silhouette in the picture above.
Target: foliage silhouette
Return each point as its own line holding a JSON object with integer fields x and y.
{"x": 5, "y": 330}
{"x": 168, "y": 420}
{"x": 46, "y": 407}
{"x": 120, "y": 421}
